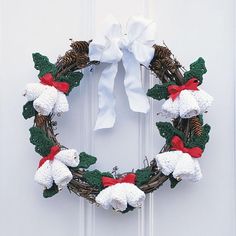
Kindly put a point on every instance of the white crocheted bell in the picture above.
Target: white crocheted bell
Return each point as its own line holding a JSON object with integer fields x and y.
{"x": 57, "y": 169}
{"x": 120, "y": 195}
{"x": 170, "y": 108}
{"x": 180, "y": 164}
{"x": 46, "y": 98}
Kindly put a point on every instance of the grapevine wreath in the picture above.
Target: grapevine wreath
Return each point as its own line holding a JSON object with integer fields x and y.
{"x": 186, "y": 135}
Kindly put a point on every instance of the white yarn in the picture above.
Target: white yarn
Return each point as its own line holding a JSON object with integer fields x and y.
{"x": 43, "y": 175}
{"x": 46, "y": 101}
{"x": 46, "y": 98}
{"x": 61, "y": 173}
{"x": 180, "y": 164}
{"x": 69, "y": 157}
{"x": 167, "y": 161}
{"x": 57, "y": 169}
{"x": 188, "y": 104}
{"x": 33, "y": 91}
{"x": 61, "y": 104}
{"x": 119, "y": 195}
{"x": 203, "y": 99}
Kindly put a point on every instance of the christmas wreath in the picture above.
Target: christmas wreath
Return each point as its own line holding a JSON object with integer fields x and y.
{"x": 186, "y": 134}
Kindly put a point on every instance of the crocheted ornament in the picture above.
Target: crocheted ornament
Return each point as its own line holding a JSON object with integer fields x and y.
{"x": 53, "y": 168}
{"x": 185, "y": 136}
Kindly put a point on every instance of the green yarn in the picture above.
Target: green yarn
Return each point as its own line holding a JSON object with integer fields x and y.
{"x": 197, "y": 70}
{"x": 159, "y": 91}
{"x": 94, "y": 178}
{"x": 173, "y": 181}
{"x": 72, "y": 78}
{"x": 128, "y": 209}
{"x": 142, "y": 176}
{"x": 28, "y": 110}
{"x": 42, "y": 143}
{"x": 200, "y": 141}
{"x": 43, "y": 64}
{"x": 85, "y": 161}
{"x": 167, "y": 131}
{"x": 51, "y": 191}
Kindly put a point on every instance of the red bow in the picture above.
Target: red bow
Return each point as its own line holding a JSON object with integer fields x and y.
{"x": 50, "y": 156}
{"x": 175, "y": 90}
{"x": 48, "y": 79}
{"x": 178, "y": 144}
{"x": 107, "y": 181}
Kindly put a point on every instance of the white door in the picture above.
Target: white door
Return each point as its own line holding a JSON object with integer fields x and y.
{"x": 191, "y": 29}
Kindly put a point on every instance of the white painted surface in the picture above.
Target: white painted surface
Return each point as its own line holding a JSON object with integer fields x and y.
{"x": 190, "y": 29}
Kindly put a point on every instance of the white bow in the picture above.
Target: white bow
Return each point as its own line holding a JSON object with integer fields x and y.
{"x": 133, "y": 49}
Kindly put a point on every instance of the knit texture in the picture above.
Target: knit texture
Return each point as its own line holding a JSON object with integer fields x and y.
{"x": 180, "y": 164}
{"x": 120, "y": 195}
{"x": 188, "y": 104}
{"x": 56, "y": 171}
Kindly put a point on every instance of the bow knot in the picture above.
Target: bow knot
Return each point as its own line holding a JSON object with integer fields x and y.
{"x": 175, "y": 90}
{"x": 178, "y": 145}
{"x": 48, "y": 79}
{"x": 133, "y": 48}
{"x": 50, "y": 157}
{"x": 129, "y": 178}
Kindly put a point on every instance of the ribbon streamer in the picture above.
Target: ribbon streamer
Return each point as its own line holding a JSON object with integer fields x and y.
{"x": 178, "y": 145}
{"x": 129, "y": 178}
{"x": 133, "y": 48}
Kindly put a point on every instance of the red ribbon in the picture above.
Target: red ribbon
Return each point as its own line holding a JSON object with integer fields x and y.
{"x": 175, "y": 90}
{"x": 50, "y": 157}
{"x": 129, "y": 178}
{"x": 48, "y": 79}
{"x": 178, "y": 144}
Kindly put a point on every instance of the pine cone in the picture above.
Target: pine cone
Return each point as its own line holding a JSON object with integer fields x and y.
{"x": 196, "y": 125}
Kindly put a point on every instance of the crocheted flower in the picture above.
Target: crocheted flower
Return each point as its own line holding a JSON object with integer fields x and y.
{"x": 48, "y": 95}
{"x": 53, "y": 168}
{"x": 182, "y": 163}
{"x": 186, "y": 101}
{"x": 120, "y": 192}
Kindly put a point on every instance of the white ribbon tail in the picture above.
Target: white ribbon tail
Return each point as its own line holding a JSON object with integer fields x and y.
{"x": 106, "y": 115}
{"x": 138, "y": 100}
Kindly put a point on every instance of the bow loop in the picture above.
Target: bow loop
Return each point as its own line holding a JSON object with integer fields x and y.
{"x": 178, "y": 145}
{"x": 175, "y": 90}
{"x": 129, "y": 178}
{"x": 50, "y": 157}
{"x": 48, "y": 79}
{"x": 132, "y": 49}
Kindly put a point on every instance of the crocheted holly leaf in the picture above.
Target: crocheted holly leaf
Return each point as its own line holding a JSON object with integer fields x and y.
{"x": 200, "y": 141}
{"x": 85, "y": 161}
{"x": 167, "y": 131}
{"x": 129, "y": 208}
{"x": 42, "y": 143}
{"x": 142, "y": 176}
{"x": 173, "y": 181}
{"x": 28, "y": 110}
{"x": 72, "y": 78}
{"x": 43, "y": 64}
{"x": 159, "y": 91}
{"x": 51, "y": 191}
{"x": 94, "y": 178}
{"x": 197, "y": 70}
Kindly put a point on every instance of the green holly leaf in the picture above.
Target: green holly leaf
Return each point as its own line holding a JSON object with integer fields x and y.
{"x": 72, "y": 78}
{"x": 167, "y": 131}
{"x": 42, "y": 143}
{"x": 94, "y": 178}
{"x": 173, "y": 181}
{"x": 128, "y": 209}
{"x": 43, "y": 64}
{"x": 51, "y": 191}
{"x": 28, "y": 110}
{"x": 85, "y": 161}
{"x": 197, "y": 70}
{"x": 200, "y": 141}
{"x": 159, "y": 91}
{"x": 142, "y": 176}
